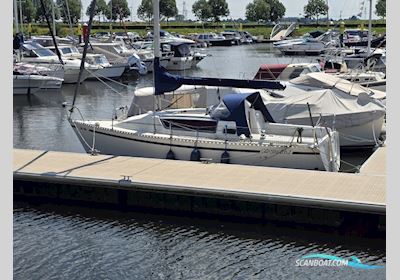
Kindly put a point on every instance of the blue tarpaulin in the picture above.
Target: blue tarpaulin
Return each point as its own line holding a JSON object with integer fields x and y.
{"x": 235, "y": 103}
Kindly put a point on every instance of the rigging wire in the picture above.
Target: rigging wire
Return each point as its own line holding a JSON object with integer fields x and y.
{"x": 51, "y": 31}
{"x": 82, "y": 67}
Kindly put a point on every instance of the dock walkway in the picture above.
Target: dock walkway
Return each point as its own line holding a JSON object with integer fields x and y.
{"x": 363, "y": 192}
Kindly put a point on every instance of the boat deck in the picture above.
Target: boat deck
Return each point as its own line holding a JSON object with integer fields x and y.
{"x": 364, "y": 192}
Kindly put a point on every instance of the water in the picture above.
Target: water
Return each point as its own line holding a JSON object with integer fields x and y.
{"x": 60, "y": 242}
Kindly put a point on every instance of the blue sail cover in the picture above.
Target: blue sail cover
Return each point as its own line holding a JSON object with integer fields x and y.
{"x": 235, "y": 103}
{"x": 166, "y": 82}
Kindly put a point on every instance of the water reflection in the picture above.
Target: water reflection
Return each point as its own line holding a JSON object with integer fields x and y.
{"x": 83, "y": 243}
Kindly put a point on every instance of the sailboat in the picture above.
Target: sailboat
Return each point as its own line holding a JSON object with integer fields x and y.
{"x": 238, "y": 130}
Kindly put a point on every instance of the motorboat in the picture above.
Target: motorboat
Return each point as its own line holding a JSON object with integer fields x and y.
{"x": 281, "y": 31}
{"x": 68, "y": 69}
{"x": 320, "y": 80}
{"x": 235, "y": 37}
{"x": 358, "y": 119}
{"x": 359, "y": 38}
{"x": 49, "y": 81}
{"x": 285, "y": 72}
{"x": 184, "y": 56}
{"x": 375, "y": 61}
{"x": 36, "y": 54}
{"x": 248, "y": 38}
{"x": 238, "y": 129}
{"x": 27, "y": 84}
{"x": 212, "y": 39}
{"x": 118, "y": 52}
{"x": 104, "y": 68}
{"x": 308, "y": 45}
{"x": 27, "y": 81}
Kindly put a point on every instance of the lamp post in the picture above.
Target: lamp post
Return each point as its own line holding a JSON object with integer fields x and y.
{"x": 16, "y": 16}
{"x": 369, "y": 28}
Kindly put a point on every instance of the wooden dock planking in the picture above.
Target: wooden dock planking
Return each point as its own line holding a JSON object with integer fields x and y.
{"x": 364, "y": 190}
{"x": 376, "y": 164}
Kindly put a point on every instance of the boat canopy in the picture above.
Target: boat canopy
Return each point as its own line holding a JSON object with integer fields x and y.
{"x": 181, "y": 50}
{"x": 233, "y": 108}
{"x": 165, "y": 82}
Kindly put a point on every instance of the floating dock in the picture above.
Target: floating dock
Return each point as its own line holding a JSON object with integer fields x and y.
{"x": 289, "y": 195}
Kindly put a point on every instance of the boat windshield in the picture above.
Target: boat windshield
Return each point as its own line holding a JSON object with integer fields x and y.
{"x": 43, "y": 52}
{"x": 100, "y": 59}
{"x": 68, "y": 50}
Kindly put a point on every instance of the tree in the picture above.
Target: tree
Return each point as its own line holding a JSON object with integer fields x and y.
{"x": 28, "y": 11}
{"x": 101, "y": 9}
{"x": 168, "y": 9}
{"x": 218, "y": 8}
{"x": 202, "y": 10}
{"x": 118, "y": 9}
{"x": 39, "y": 16}
{"x": 74, "y": 10}
{"x": 381, "y": 8}
{"x": 277, "y": 10}
{"x": 314, "y": 8}
{"x": 145, "y": 10}
{"x": 258, "y": 10}
{"x": 270, "y": 10}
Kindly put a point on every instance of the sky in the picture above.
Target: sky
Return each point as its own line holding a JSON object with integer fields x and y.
{"x": 294, "y": 8}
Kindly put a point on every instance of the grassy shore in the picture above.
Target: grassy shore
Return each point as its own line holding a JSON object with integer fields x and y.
{"x": 189, "y": 27}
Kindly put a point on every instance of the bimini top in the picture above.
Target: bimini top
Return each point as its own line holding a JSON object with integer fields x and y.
{"x": 232, "y": 108}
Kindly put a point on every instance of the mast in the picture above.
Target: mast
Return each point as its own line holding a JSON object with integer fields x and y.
{"x": 156, "y": 22}
{"x": 369, "y": 29}
{"x": 157, "y": 51}
{"x": 69, "y": 18}
{"x": 16, "y": 16}
{"x": 327, "y": 13}
{"x": 54, "y": 18}
{"x": 83, "y": 59}
{"x": 51, "y": 32}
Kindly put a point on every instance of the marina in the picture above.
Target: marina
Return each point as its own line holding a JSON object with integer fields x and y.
{"x": 280, "y": 136}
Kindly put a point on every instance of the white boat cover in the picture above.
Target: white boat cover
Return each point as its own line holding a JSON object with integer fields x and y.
{"x": 335, "y": 109}
{"x": 326, "y": 81}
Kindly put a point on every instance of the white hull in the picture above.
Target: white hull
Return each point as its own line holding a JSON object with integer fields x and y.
{"x": 29, "y": 84}
{"x": 52, "y": 84}
{"x": 71, "y": 75}
{"x": 363, "y": 135}
{"x": 149, "y": 63}
{"x": 180, "y": 63}
{"x": 114, "y": 142}
{"x": 56, "y": 69}
{"x": 317, "y": 48}
{"x": 23, "y": 85}
{"x": 114, "y": 71}
{"x": 183, "y": 63}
